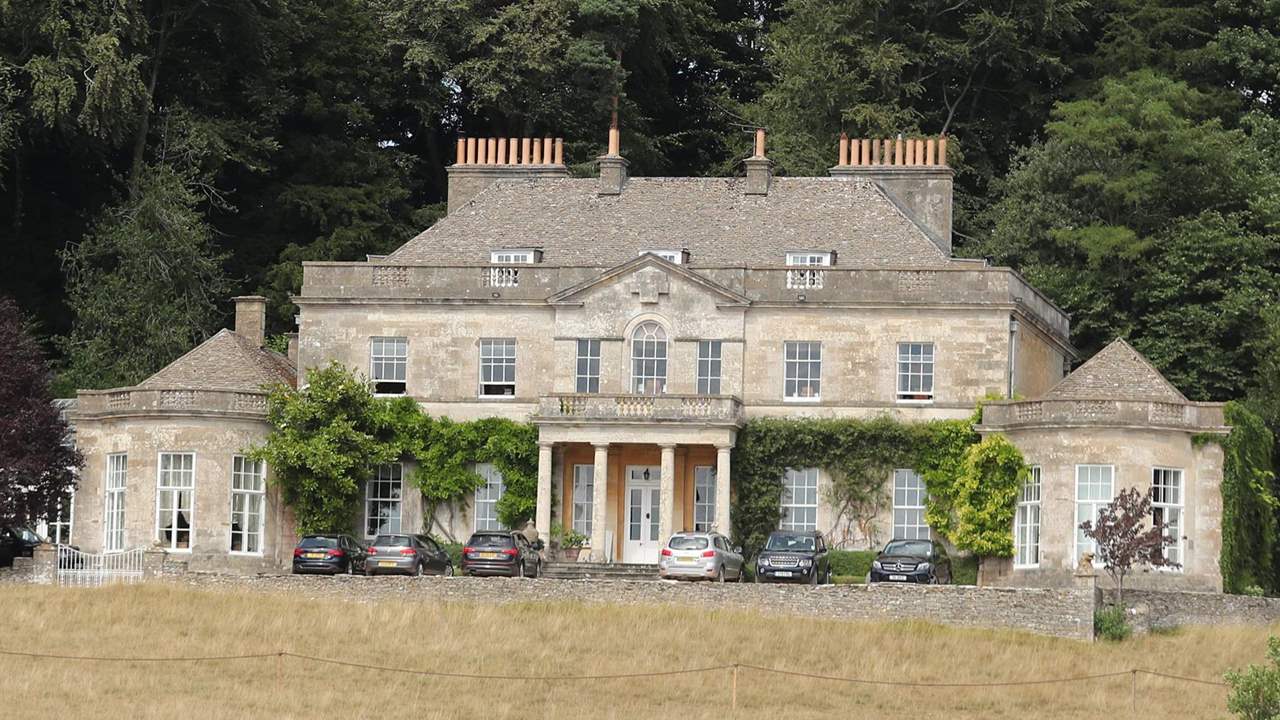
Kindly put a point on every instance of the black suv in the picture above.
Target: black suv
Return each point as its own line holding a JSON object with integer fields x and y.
{"x": 794, "y": 556}
{"x": 502, "y": 552}
{"x": 17, "y": 542}
{"x": 912, "y": 561}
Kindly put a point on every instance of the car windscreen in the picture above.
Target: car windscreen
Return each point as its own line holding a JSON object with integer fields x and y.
{"x": 682, "y": 542}
{"x": 393, "y": 541}
{"x": 498, "y": 541}
{"x": 908, "y": 547}
{"x": 318, "y": 542}
{"x": 794, "y": 543}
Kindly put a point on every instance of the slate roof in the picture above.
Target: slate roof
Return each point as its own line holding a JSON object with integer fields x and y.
{"x": 711, "y": 217}
{"x": 226, "y": 361}
{"x": 1116, "y": 372}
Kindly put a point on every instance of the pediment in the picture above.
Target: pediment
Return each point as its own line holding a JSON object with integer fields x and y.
{"x": 648, "y": 277}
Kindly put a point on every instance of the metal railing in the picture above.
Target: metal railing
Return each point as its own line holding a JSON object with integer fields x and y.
{"x": 94, "y": 569}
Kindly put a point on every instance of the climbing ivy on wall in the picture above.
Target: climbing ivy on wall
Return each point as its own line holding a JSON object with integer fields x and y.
{"x": 972, "y": 485}
{"x": 327, "y": 439}
{"x": 1248, "y": 503}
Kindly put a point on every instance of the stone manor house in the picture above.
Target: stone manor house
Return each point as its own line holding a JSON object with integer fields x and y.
{"x": 639, "y": 322}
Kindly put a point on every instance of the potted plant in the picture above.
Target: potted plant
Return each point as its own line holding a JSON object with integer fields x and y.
{"x": 571, "y": 543}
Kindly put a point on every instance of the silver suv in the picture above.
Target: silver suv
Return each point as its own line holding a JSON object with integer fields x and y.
{"x": 700, "y": 555}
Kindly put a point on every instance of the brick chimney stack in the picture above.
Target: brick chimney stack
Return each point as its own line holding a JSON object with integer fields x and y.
{"x": 481, "y": 161}
{"x": 913, "y": 171}
{"x": 613, "y": 167}
{"x": 251, "y": 318}
{"x": 759, "y": 168}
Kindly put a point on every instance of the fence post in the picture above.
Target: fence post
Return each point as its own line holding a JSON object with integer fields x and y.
{"x": 734, "y": 704}
{"x": 279, "y": 673}
{"x": 1133, "y": 692}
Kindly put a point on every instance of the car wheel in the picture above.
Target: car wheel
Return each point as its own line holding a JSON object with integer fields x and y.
{"x": 520, "y": 569}
{"x": 417, "y": 569}
{"x": 720, "y": 574}
{"x": 813, "y": 577}
{"x": 448, "y": 570}
{"x": 351, "y": 567}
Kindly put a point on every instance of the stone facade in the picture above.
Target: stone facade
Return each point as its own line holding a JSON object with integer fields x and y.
{"x": 639, "y": 323}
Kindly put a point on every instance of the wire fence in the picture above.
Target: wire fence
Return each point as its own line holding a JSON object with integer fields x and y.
{"x": 734, "y": 670}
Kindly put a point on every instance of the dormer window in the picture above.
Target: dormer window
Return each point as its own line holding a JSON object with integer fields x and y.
{"x": 822, "y": 259}
{"x": 807, "y": 275}
{"x": 679, "y": 257}
{"x": 509, "y": 276}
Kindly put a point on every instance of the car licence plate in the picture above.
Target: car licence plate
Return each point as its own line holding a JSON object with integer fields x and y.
{"x": 314, "y": 556}
{"x": 686, "y": 560}
{"x": 898, "y": 578}
{"x": 783, "y": 573}
{"x": 488, "y": 556}
{"x": 387, "y": 563}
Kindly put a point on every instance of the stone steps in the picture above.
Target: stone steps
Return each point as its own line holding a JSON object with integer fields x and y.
{"x": 598, "y": 571}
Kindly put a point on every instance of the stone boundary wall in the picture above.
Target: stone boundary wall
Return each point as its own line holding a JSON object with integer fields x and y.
{"x": 1164, "y": 609}
{"x": 1059, "y": 612}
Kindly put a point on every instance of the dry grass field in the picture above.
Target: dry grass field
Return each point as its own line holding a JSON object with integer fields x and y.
{"x": 559, "y": 639}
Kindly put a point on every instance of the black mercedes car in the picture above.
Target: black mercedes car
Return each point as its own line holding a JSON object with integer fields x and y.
{"x": 17, "y": 542}
{"x": 911, "y": 561}
{"x": 328, "y": 554}
{"x": 794, "y": 556}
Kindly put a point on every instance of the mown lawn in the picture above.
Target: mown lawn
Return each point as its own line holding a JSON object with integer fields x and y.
{"x": 560, "y": 639}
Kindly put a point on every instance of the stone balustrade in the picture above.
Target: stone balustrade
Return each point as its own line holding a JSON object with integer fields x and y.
{"x": 641, "y": 408}
{"x": 175, "y": 401}
{"x": 1191, "y": 416}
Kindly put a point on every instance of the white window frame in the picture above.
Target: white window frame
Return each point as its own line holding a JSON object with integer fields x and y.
{"x": 583, "y": 489}
{"x": 910, "y": 497}
{"x": 490, "y": 359}
{"x": 710, "y": 367}
{"x": 808, "y": 272}
{"x": 650, "y": 358}
{"x": 1161, "y": 502}
{"x": 589, "y": 381}
{"x": 387, "y": 354}
{"x": 59, "y": 527}
{"x": 704, "y": 498}
{"x": 175, "y": 509}
{"x": 249, "y": 486}
{"x": 916, "y": 361}
{"x": 513, "y": 256}
{"x": 802, "y": 482}
{"x": 671, "y": 256}
{"x": 791, "y": 370}
{"x": 1026, "y": 522}
{"x": 487, "y": 497}
{"x": 1080, "y": 543}
{"x": 116, "y": 485}
{"x": 385, "y": 475}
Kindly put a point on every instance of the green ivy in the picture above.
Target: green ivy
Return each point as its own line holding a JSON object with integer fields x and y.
{"x": 1248, "y": 502}
{"x": 328, "y": 437}
{"x": 972, "y": 486}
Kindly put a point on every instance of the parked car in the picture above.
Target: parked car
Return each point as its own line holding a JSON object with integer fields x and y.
{"x": 701, "y": 555}
{"x": 408, "y": 554}
{"x": 17, "y": 542}
{"x": 794, "y": 556}
{"x": 328, "y": 554}
{"x": 501, "y": 552}
{"x": 911, "y": 561}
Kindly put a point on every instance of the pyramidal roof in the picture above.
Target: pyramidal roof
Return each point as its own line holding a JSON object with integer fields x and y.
{"x": 1117, "y": 372}
{"x": 226, "y": 361}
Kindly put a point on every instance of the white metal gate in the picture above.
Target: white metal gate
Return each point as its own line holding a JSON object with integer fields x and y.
{"x": 93, "y": 569}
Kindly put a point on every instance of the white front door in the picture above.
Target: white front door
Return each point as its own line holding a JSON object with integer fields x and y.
{"x": 641, "y": 543}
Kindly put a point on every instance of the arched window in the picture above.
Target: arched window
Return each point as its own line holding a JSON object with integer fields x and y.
{"x": 649, "y": 359}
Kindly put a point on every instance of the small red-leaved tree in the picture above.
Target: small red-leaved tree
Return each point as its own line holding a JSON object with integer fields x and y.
{"x": 1127, "y": 535}
{"x": 38, "y": 464}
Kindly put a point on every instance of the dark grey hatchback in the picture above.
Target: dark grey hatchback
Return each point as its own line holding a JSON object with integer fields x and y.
{"x": 328, "y": 554}
{"x": 408, "y": 554}
{"x": 502, "y": 553}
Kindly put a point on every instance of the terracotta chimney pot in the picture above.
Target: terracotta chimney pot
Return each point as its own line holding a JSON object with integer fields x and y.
{"x": 942, "y": 150}
{"x": 875, "y": 152}
{"x": 759, "y": 143}
{"x": 866, "y": 151}
{"x": 931, "y": 152}
{"x": 546, "y": 151}
{"x": 537, "y": 150}
{"x": 502, "y": 151}
{"x": 462, "y": 152}
{"x": 844, "y": 150}
{"x": 525, "y": 157}
{"x": 559, "y": 151}
{"x": 482, "y": 151}
{"x": 897, "y": 151}
{"x": 471, "y": 151}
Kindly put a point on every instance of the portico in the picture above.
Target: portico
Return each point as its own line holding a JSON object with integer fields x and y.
{"x": 635, "y": 469}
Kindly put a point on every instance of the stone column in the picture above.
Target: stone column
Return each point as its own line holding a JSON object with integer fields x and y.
{"x": 542, "y": 517}
{"x": 667, "y": 492}
{"x": 723, "y": 522}
{"x": 599, "y": 503}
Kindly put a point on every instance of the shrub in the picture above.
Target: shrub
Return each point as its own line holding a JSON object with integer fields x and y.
{"x": 1111, "y": 624}
{"x": 854, "y": 563}
{"x": 964, "y": 570}
{"x": 455, "y": 552}
{"x": 1255, "y": 691}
